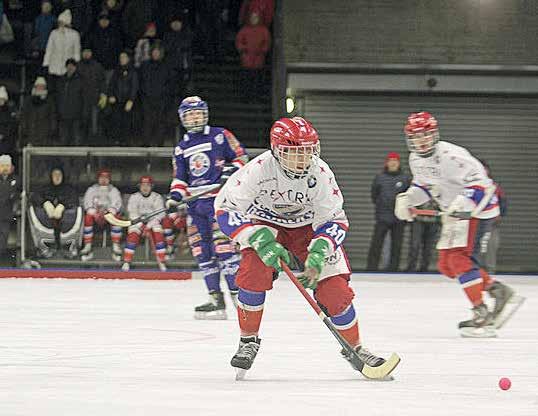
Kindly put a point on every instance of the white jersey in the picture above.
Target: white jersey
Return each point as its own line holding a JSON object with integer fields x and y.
{"x": 449, "y": 172}
{"x": 262, "y": 191}
{"x": 102, "y": 198}
{"x": 139, "y": 205}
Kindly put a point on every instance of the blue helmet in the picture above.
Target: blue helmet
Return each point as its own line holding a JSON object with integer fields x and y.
{"x": 193, "y": 103}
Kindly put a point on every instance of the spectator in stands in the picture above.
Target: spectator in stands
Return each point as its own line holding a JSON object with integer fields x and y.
{"x": 424, "y": 235}
{"x": 114, "y": 10}
{"x": 81, "y": 10}
{"x": 155, "y": 86}
{"x": 69, "y": 101}
{"x": 55, "y": 216}
{"x": 263, "y": 8}
{"x": 122, "y": 93}
{"x": 489, "y": 245}
{"x": 177, "y": 42}
{"x": 99, "y": 199}
{"x": 43, "y": 26}
{"x": 385, "y": 187}
{"x": 10, "y": 191}
{"x": 169, "y": 10}
{"x": 143, "y": 202}
{"x": 39, "y": 120}
{"x": 105, "y": 42}
{"x": 135, "y": 17}
{"x": 8, "y": 124}
{"x": 145, "y": 44}
{"x": 210, "y": 28}
{"x": 63, "y": 44}
{"x": 93, "y": 84}
{"x": 253, "y": 42}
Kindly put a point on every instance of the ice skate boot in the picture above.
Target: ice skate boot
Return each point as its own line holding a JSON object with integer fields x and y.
{"x": 480, "y": 325}
{"x": 366, "y": 356}
{"x": 162, "y": 267}
{"x": 506, "y": 303}
{"x": 125, "y": 267}
{"x": 215, "y": 309}
{"x": 370, "y": 365}
{"x": 116, "y": 252}
{"x": 86, "y": 253}
{"x": 233, "y": 295}
{"x": 245, "y": 355}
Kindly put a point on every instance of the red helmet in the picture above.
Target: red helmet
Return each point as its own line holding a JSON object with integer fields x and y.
{"x": 104, "y": 172}
{"x": 422, "y": 133}
{"x": 294, "y": 142}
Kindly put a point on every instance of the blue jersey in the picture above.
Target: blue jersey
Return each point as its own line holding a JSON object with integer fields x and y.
{"x": 199, "y": 159}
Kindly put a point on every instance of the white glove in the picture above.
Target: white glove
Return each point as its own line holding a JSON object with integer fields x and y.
{"x": 402, "y": 207}
{"x": 171, "y": 203}
{"x": 59, "y": 211}
{"x": 49, "y": 209}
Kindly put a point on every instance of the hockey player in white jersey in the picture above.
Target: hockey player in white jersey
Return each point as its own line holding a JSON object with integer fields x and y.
{"x": 458, "y": 182}
{"x": 143, "y": 202}
{"x": 288, "y": 199}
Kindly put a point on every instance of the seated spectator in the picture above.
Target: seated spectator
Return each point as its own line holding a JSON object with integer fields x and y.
{"x": 99, "y": 199}
{"x": 39, "y": 118}
{"x": 253, "y": 42}
{"x": 122, "y": 92}
{"x": 55, "y": 217}
{"x": 10, "y": 190}
{"x": 92, "y": 75}
{"x": 63, "y": 44}
{"x": 105, "y": 42}
{"x": 143, "y": 202}
{"x": 263, "y": 8}
{"x": 43, "y": 26}
{"x": 144, "y": 45}
{"x": 69, "y": 103}
{"x": 155, "y": 85}
{"x": 8, "y": 124}
{"x": 177, "y": 42}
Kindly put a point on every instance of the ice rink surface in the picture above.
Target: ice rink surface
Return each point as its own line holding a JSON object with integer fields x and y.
{"x": 90, "y": 347}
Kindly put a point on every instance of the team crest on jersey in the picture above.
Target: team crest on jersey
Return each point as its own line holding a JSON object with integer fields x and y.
{"x": 199, "y": 164}
{"x": 333, "y": 258}
{"x": 178, "y": 151}
{"x": 312, "y": 181}
{"x": 288, "y": 210}
{"x": 219, "y": 138}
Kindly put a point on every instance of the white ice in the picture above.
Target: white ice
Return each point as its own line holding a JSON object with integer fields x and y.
{"x": 90, "y": 347}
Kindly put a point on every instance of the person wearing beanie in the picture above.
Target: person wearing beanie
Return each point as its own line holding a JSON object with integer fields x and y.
{"x": 63, "y": 44}
{"x": 43, "y": 26}
{"x": 8, "y": 123}
{"x": 55, "y": 217}
{"x": 385, "y": 187}
{"x": 10, "y": 191}
{"x": 145, "y": 44}
{"x": 105, "y": 40}
{"x": 69, "y": 105}
{"x": 39, "y": 121}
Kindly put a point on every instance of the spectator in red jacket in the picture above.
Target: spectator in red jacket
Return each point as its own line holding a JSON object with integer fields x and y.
{"x": 263, "y": 8}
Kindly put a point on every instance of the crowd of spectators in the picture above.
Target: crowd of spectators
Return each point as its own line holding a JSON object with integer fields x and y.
{"x": 111, "y": 72}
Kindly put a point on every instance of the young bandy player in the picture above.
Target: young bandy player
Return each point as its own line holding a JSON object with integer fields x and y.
{"x": 288, "y": 199}
{"x": 458, "y": 182}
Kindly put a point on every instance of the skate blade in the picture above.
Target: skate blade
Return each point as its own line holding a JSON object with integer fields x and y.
{"x": 484, "y": 332}
{"x": 382, "y": 372}
{"x": 211, "y": 316}
{"x": 513, "y": 304}
{"x": 240, "y": 374}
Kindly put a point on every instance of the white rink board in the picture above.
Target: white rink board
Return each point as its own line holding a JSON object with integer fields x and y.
{"x": 95, "y": 347}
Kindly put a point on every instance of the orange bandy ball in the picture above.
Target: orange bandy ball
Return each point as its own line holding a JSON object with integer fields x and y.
{"x": 505, "y": 383}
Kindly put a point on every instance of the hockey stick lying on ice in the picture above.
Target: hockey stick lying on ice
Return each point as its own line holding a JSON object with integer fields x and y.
{"x": 377, "y": 373}
{"x": 462, "y": 215}
{"x": 111, "y": 219}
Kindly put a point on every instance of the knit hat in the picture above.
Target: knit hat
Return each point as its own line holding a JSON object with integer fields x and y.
{"x": 66, "y": 17}
{"x": 3, "y": 93}
{"x": 40, "y": 81}
{"x": 151, "y": 25}
{"x": 392, "y": 155}
{"x": 5, "y": 160}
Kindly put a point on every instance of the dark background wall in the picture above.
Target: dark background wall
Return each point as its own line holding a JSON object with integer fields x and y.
{"x": 503, "y": 32}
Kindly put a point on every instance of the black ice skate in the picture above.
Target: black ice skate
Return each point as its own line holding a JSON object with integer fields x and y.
{"x": 480, "y": 325}
{"x": 506, "y": 303}
{"x": 245, "y": 355}
{"x": 366, "y": 356}
{"x": 370, "y": 365}
{"x": 215, "y": 309}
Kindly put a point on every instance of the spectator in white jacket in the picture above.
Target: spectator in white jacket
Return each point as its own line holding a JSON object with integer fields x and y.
{"x": 63, "y": 44}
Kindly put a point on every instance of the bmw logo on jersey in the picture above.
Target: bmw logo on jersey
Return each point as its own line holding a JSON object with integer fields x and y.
{"x": 199, "y": 164}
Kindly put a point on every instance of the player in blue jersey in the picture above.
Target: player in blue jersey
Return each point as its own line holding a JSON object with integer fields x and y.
{"x": 200, "y": 159}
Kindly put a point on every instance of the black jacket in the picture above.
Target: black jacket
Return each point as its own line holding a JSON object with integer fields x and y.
{"x": 93, "y": 80}
{"x": 69, "y": 97}
{"x": 63, "y": 194}
{"x": 384, "y": 189}
{"x": 8, "y": 129}
{"x": 39, "y": 121}
{"x": 123, "y": 84}
{"x": 106, "y": 45}
{"x": 154, "y": 80}
{"x": 10, "y": 191}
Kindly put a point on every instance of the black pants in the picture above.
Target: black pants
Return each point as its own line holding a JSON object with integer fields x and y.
{"x": 380, "y": 231}
{"x": 70, "y": 132}
{"x": 423, "y": 237}
{"x": 154, "y": 122}
{"x": 4, "y": 232}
